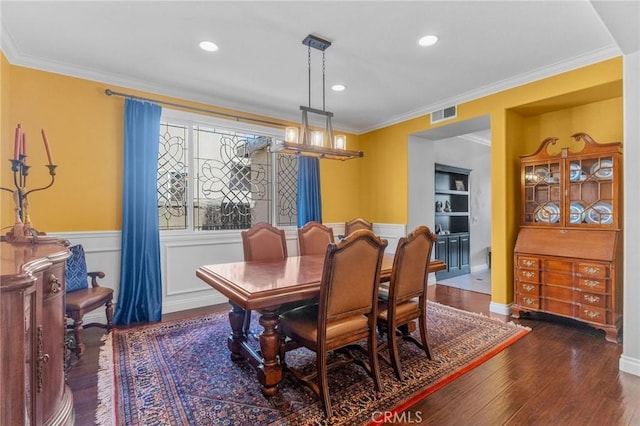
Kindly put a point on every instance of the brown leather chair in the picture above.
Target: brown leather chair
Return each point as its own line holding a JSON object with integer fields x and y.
{"x": 80, "y": 298}
{"x": 345, "y": 314}
{"x": 262, "y": 242}
{"x": 355, "y": 224}
{"x": 313, "y": 238}
{"x": 407, "y": 294}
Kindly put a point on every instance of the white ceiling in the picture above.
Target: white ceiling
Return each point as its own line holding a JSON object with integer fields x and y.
{"x": 261, "y": 67}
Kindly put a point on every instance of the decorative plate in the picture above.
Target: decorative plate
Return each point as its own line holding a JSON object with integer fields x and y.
{"x": 576, "y": 212}
{"x": 541, "y": 173}
{"x": 603, "y": 169}
{"x": 600, "y": 213}
{"x": 575, "y": 172}
{"x": 549, "y": 213}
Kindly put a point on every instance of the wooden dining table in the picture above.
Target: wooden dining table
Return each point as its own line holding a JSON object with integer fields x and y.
{"x": 265, "y": 287}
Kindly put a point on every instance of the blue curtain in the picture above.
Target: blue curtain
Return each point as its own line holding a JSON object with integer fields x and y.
{"x": 140, "y": 295}
{"x": 309, "y": 205}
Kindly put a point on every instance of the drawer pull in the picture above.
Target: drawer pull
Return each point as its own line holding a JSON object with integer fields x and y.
{"x": 56, "y": 285}
{"x": 528, "y": 274}
{"x": 591, "y": 283}
{"x": 591, "y": 270}
{"x": 591, "y": 314}
{"x": 591, "y": 298}
{"x": 528, "y": 287}
{"x": 527, "y": 301}
{"x": 527, "y": 262}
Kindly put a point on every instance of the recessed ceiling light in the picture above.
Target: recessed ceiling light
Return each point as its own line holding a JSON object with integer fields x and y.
{"x": 209, "y": 46}
{"x": 338, "y": 87}
{"x": 428, "y": 40}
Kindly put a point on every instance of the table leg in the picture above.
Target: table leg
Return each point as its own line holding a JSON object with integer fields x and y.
{"x": 237, "y": 337}
{"x": 270, "y": 371}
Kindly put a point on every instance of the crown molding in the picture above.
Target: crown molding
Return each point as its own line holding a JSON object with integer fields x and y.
{"x": 8, "y": 46}
{"x": 509, "y": 83}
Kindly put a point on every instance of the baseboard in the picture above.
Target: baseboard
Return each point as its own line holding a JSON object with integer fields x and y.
{"x": 500, "y": 308}
{"x": 479, "y": 268}
{"x": 630, "y": 365}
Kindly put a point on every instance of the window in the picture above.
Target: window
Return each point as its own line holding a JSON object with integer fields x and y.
{"x": 215, "y": 175}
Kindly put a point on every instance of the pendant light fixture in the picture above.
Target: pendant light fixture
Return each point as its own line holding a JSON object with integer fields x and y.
{"x": 314, "y": 141}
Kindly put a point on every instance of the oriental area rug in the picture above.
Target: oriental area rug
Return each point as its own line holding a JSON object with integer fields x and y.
{"x": 180, "y": 373}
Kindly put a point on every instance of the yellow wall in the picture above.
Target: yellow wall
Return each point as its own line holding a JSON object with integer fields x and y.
{"x": 583, "y": 100}
{"x": 85, "y": 130}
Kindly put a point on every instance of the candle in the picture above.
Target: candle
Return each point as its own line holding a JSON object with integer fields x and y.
{"x": 16, "y": 147}
{"x": 46, "y": 146}
{"x": 23, "y": 145}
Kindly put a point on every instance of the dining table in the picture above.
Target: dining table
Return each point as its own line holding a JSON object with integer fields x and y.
{"x": 265, "y": 286}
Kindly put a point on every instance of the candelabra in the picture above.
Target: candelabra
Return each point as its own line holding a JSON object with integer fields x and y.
{"x": 23, "y": 230}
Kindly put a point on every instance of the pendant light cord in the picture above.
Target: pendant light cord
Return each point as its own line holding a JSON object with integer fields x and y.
{"x": 309, "y": 65}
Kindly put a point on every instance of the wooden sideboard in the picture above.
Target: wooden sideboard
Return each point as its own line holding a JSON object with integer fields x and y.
{"x": 32, "y": 330}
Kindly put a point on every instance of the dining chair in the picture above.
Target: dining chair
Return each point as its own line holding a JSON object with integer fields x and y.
{"x": 406, "y": 299}
{"x": 80, "y": 298}
{"x": 313, "y": 238}
{"x": 262, "y": 242}
{"x": 346, "y": 312}
{"x": 355, "y": 224}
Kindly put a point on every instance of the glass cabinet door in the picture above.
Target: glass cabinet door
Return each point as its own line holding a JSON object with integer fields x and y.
{"x": 542, "y": 194}
{"x": 591, "y": 191}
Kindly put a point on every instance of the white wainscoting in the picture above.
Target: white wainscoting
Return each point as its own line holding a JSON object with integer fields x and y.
{"x": 181, "y": 253}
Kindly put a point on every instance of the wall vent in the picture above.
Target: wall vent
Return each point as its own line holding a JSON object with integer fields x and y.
{"x": 444, "y": 114}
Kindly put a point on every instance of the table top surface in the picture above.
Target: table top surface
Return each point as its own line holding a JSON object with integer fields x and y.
{"x": 258, "y": 285}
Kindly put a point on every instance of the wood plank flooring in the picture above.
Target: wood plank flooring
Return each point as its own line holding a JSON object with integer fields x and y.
{"x": 562, "y": 373}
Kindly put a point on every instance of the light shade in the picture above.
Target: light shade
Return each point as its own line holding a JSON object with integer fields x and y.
{"x": 340, "y": 142}
{"x": 291, "y": 134}
{"x": 317, "y": 138}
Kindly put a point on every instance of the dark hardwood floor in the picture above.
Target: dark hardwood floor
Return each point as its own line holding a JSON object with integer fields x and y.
{"x": 562, "y": 373}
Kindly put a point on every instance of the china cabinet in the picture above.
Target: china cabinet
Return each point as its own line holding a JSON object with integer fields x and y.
{"x": 568, "y": 254}
{"x": 452, "y": 220}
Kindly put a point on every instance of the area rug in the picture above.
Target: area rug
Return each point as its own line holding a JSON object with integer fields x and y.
{"x": 180, "y": 373}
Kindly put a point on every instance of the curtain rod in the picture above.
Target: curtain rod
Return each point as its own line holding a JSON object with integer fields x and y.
{"x": 110, "y": 92}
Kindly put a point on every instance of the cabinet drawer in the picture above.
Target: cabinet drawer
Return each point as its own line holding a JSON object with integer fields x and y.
{"x": 558, "y": 265}
{"x": 557, "y": 278}
{"x": 593, "y": 314}
{"x": 528, "y": 289}
{"x": 532, "y": 302}
{"x": 560, "y": 307}
{"x": 560, "y": 293}
{"x": 528, "y": 262}
{"x": 528, "y": 275}
{"x": 596, "y": 270}
{"x": 592, "y": 299}
{"x": 594, "y": 286}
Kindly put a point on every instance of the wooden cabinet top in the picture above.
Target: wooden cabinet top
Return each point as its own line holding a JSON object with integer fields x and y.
{"x": 20, "y": 261}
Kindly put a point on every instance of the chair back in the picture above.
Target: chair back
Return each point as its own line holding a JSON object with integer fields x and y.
{"x": 355, "y": 224}
{"x": 350, "y": 277}
{"x": 411, "y": 265}
{"x": 75, "y": 273}
{"x": 264, "y": 242}
{"x": 313, "y": 238}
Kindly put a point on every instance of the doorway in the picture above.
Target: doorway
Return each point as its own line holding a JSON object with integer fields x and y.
{"x": 467, "y": 145}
